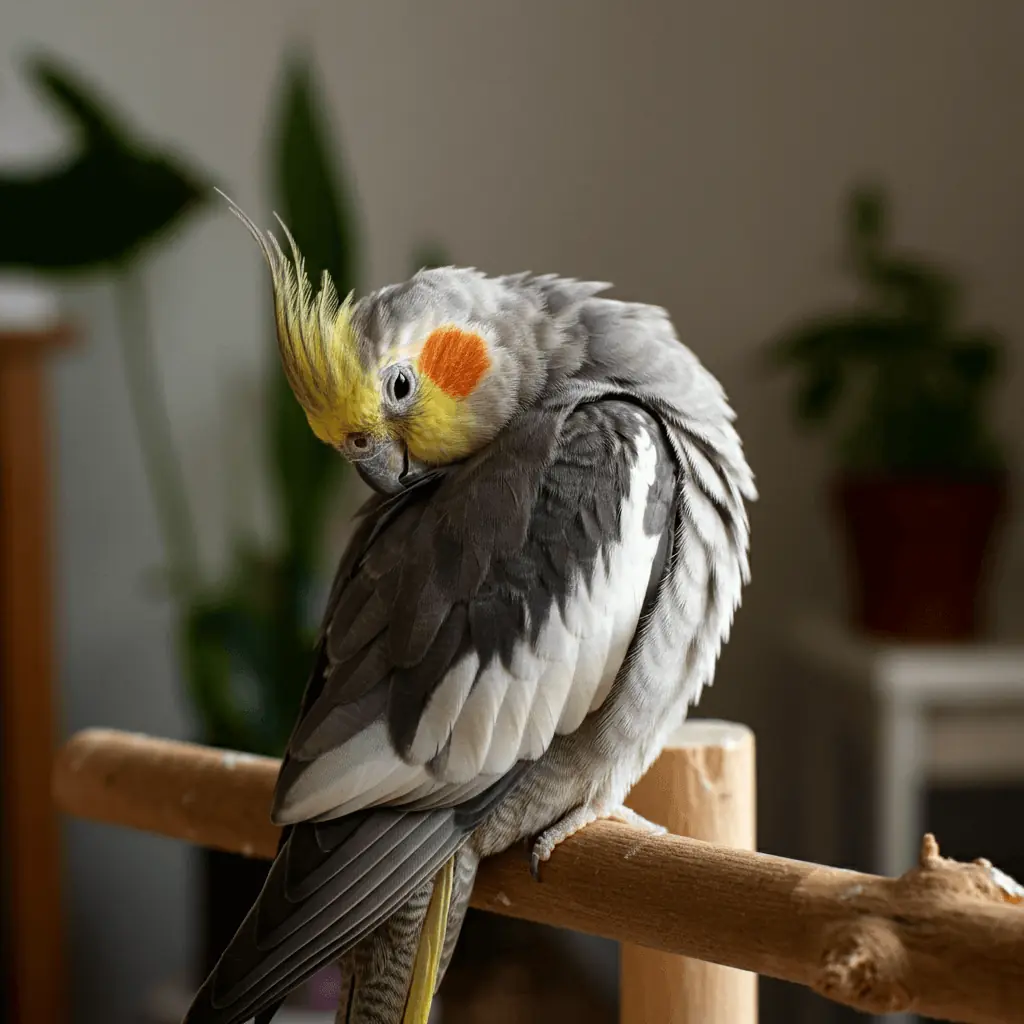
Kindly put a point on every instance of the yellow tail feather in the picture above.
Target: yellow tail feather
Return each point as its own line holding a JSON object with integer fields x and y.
{"x": 428, "y": 953}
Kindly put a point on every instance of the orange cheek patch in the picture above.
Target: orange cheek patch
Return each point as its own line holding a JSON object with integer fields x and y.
{"x": 454, "y": 360}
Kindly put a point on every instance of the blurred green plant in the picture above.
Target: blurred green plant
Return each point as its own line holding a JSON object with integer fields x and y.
{"x": 103, "y": 206}
{"x": 246, "y": 640}
{"x": 904, "y": 386}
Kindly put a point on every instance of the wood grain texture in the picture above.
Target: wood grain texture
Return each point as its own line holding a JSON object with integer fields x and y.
{"x": 944, "y": 940}
{"x": 702, "y": 786}
{"x": 30, "y": 824}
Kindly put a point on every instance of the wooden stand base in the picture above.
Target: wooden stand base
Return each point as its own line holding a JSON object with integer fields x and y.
{"x": 31, "y": 841}
{"x": 702, "y": 786}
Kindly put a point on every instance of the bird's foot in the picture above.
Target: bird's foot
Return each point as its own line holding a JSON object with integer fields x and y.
{"x": 544, "y": 845}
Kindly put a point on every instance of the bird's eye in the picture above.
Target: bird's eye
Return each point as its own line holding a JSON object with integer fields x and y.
{"x": 399, "y": 385}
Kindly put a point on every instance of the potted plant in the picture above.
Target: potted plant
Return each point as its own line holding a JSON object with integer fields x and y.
{"x": 904, "y": 389}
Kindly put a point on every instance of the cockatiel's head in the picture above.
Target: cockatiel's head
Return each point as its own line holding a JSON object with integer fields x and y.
{"x": 414, "y": 375}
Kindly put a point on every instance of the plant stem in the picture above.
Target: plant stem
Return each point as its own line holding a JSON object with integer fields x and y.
{"x": 162, "y": 466}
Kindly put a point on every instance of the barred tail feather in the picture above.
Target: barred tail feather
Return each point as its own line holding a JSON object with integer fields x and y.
{"x": 392, "y": 976}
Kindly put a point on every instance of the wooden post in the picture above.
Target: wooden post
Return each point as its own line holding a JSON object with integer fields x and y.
{"x": 30, "y": 824}
{"x": 702, "y": 786}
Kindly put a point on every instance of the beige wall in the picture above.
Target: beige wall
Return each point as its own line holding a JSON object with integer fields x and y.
{"x": 692, "y": 153}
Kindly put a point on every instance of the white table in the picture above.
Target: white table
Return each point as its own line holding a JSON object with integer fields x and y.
{"x": 921, "y": 714}
{"x": 938, "y": 713}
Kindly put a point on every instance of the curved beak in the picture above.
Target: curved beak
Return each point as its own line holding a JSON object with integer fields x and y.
{"x": 390, "y": 469}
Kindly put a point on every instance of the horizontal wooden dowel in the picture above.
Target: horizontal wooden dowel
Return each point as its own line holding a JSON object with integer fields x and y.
{"x": 945, "y": 940}
{"x": 210, "y": 797}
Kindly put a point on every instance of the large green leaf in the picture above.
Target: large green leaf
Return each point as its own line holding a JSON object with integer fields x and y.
{"x": 914, "y": 291}
{"x": 819, "y": 391}
{"x": 207, "y": 665}
{"x": 116, "y": 195}
{"x": 976, "y": 358}
{"x": 308, "y": 182}
{"x": 305, "y": 471}
{"x": 844, "y": 337}
{"x": 247, "y": 651}
{"x": 79, "y": 102}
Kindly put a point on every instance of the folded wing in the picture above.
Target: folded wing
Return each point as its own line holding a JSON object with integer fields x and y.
{"x": 472, "y": 621}
{"x": 486, "y": 621}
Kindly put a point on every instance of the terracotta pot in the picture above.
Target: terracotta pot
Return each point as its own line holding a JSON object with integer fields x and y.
{"x": 918, "y": 551}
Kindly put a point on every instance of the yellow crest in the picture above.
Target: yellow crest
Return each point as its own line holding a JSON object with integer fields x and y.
{"x": 316, "y": 343}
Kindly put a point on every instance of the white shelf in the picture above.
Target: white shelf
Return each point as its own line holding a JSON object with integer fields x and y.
{"x": 969, "y": 749}
{"x": 985, "y": 671}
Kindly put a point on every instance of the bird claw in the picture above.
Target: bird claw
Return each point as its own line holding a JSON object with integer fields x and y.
{"x": 530, "y": 844}
{"x": 542, "y": 846}
{"x": 535, "y": 865}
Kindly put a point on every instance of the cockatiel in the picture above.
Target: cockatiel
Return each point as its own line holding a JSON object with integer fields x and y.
{"x": 533, "y": 598}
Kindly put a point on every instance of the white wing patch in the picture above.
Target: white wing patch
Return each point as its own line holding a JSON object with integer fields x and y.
{"x": 475, "y": 726}
{"x": 489, "y": 716}
{"x": 557, "y": 651}
{"x": 358, "y": 774}
{"x": 444, "y": 707}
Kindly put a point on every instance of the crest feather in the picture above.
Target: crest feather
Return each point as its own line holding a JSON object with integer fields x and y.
{"x": 314, "y": 332}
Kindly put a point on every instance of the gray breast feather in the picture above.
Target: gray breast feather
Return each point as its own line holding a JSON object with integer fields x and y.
{"x": 490, "y": 615}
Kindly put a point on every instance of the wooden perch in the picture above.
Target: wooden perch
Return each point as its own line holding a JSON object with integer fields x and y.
{"x": 945, "y": 940}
